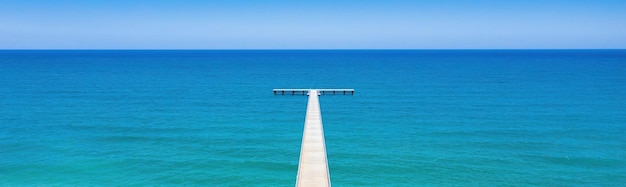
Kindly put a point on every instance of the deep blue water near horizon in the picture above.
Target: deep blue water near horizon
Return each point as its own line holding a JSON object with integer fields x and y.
{"x": 418, "y": 117}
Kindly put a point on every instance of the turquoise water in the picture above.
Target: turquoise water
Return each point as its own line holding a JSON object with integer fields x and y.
{"x": 436, "y": 118}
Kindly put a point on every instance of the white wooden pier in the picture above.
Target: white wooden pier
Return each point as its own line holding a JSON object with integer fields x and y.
{"x": 313, "y": 165}
{"x": 319, "y": 91}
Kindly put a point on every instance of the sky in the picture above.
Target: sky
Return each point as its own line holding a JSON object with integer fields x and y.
{"x": 320, "y": 24}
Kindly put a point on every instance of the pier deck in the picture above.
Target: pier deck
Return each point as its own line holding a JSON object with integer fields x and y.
{"x": 313, "y": 166}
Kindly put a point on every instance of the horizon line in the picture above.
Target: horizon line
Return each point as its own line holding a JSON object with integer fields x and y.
{"x": 305, "y": 49}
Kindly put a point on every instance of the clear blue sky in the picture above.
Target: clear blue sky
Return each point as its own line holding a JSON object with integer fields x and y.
{"x": 321, "y": 24}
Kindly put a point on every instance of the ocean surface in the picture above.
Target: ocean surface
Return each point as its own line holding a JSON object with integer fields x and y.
{"x": 209, "y": 118}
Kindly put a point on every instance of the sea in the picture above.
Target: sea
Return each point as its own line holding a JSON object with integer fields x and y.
{"x": 210, "y": 118}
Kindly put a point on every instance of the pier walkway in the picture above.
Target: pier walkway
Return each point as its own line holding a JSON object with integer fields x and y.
{"x": 313, "y": 165}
